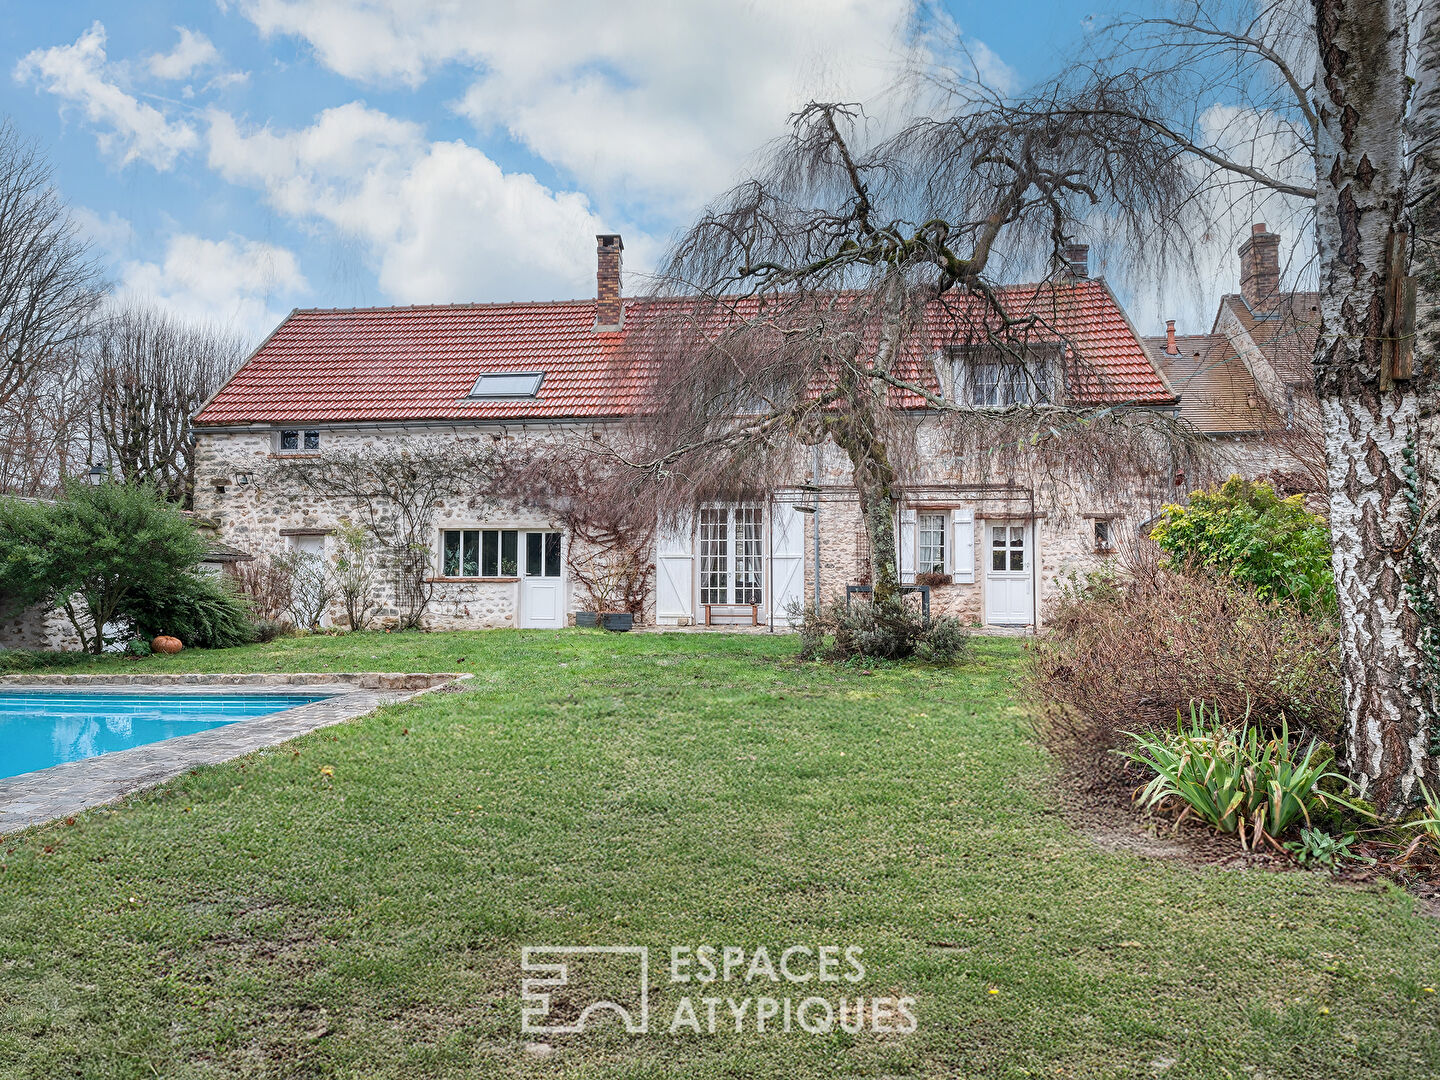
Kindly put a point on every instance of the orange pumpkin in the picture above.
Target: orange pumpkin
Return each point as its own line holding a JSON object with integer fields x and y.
{"x": 166, "y": 644}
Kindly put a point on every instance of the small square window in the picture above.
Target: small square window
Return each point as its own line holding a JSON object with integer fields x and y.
{"x": 1102, "y": 535}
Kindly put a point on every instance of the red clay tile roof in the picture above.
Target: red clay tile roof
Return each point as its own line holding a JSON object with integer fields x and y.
{"x": 1217, "y": 392}
{"x": 1286, "y": 333}
{"x": 419, "y": 363}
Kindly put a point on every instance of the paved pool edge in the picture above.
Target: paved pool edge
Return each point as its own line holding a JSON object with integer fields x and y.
{"x": 62, "y": 790}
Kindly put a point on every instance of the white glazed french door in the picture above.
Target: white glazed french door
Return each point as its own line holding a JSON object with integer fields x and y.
{"x": 730, "y": 542}
{"x": 1008, "y": 574}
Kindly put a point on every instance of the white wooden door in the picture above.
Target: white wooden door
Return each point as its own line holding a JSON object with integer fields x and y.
{"x": 1008, "y": 573}
{"x": 542, "y": 581}
{"x": 674, "y": 572}
{"x": 787, "y": 559}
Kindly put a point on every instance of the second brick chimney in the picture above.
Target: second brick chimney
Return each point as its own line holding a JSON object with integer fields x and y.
{"x": 609, "y": 310}
{"x": 1260, "y": 268}
{"x": 1171, "y": 349}
{"x": 1077, "y": 260}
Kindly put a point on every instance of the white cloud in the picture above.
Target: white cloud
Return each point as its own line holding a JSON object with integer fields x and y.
{"x": 438, "y": 221}
{"x": 649, "y": 99}
{"x": 234, "y": 282}
{"x": 193, "y": 51}
{"x": 126, "y": 127}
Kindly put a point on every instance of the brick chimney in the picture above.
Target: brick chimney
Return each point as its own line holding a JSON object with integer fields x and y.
{"x": 609, "y": 310}
{"x": 1077, "y": 260}
{"x": 1171, "y": 349}
{"x": 1260, "y": 268}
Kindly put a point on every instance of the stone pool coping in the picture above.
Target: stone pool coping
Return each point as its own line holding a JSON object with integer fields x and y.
{"x": 68, "y": 788}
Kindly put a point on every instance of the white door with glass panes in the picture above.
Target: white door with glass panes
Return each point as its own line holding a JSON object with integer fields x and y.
{"x": 730, "y": 541}
{"x": 1008, "y": 573}
{"x": 542, "y": 584}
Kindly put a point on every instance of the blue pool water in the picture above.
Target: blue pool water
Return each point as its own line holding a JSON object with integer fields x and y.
{"x": 40, "y": 728}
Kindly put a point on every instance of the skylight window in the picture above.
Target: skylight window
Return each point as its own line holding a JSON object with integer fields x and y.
{"x": 508, "y": 384}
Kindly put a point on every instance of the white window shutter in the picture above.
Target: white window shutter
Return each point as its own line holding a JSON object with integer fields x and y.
{"x": 674, "y": 572}
{"x": 964, "y": 553}
{"x": 907, "y": 547}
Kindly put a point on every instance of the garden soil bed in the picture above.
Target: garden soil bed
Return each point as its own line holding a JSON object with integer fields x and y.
{"x": 1100, "y": 804}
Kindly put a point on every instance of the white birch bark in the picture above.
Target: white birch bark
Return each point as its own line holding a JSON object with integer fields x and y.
{"x": 1368, "y": 417}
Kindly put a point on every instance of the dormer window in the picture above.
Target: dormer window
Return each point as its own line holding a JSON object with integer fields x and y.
{"x": 508, "y": 384}
{"x": 987, "y": 378}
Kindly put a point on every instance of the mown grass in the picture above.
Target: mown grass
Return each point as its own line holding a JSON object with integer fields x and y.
{"x": 263, "y": 918}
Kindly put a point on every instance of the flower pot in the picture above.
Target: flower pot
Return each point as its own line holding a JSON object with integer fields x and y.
{"x": 589, "y": 619}
{"x": 617, "y": 621}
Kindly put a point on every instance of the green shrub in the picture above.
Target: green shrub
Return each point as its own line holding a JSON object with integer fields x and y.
{"x": 267, "y": 630}
{"x": 1429, "y": 823}
{"x": 1247, "y": 532}
{"x": 104, "y": 544}
{"x": 203, "y": 610}
{"x": 1235, "y": 779}
{"x": 1318, "y": 847}
{"x": 883, "y": 631}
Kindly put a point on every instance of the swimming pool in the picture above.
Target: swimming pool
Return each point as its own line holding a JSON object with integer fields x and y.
{"x": 40, "y": 728}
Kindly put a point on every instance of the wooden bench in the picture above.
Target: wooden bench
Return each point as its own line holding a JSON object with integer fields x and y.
{"x": 731, "y": 614}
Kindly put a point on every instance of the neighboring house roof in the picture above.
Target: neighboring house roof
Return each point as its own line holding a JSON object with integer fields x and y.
{"x": 420, "y": 363}
{"x": 1285, "y": 333}
{"x": 1217, "y": 392}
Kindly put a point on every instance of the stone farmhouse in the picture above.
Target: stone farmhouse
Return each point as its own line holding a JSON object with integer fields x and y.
{"x": 991, "y": 551}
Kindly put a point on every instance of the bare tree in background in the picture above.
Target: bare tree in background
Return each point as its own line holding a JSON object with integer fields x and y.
{"x": 840, "y": 282}
{"x": 49, "y": 286}
{"x": 151, "y": 372}
{"x": 47, "y": 429}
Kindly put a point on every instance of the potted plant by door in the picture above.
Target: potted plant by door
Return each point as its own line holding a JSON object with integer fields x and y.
{"x": 618, "y": 621}
{"x": 614, "y": 571}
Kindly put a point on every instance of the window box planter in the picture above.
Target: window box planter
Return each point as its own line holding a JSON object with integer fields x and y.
{"x": 933, "y": 579}
{"x": 618, "y": 621}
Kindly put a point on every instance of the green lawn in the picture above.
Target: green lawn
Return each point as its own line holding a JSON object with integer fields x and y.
{"x": 264, "y": 918}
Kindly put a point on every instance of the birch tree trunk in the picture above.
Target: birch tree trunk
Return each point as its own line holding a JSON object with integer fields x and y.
{"x": 1376, "y": 416}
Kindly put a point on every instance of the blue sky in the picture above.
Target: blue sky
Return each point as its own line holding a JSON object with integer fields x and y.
{"x": 236, "y": 158}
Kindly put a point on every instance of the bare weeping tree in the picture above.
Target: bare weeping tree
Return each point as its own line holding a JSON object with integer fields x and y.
{"x": 49, "y": 285}
{"x": 835, "y": 295}
{"x": 151, "y": 372}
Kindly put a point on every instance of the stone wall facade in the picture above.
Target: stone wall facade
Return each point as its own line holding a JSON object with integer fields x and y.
{"x": 267, "y": 514}
{"x": 38, "y": 628}
{"x": 264, "y": 515}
